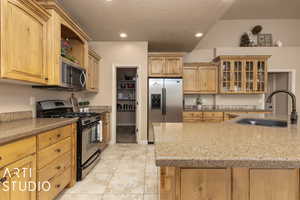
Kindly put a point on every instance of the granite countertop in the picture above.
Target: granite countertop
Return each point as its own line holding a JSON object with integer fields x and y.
{"x": 227, "y": 110}
{"x": 227, "y": 144}
{"x": 18, "y": 129}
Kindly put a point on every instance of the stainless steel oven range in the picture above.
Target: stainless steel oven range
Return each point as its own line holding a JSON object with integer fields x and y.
{"x": 89, "y": 132}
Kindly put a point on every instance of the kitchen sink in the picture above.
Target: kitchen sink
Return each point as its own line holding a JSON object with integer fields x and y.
{"x": 262, "y": 122}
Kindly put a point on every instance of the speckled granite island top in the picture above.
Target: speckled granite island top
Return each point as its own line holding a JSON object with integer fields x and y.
{"x": 14, "y": 130}
{"x": 227, "y": 144}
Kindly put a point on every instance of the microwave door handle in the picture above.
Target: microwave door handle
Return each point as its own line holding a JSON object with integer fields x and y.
{"x": 84, "y": 79}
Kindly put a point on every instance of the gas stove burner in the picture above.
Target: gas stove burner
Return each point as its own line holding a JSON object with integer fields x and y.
{"x": 80, "y": 115}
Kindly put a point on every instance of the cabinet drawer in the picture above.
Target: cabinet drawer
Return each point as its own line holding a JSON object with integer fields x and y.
{"x": 52, "y": 152}
{"x": 56, "y": 167}
{"x": 53, "y": 136}
{"x": 192, "y": 114}
{"x": 58, "y": 183}
{"x": 17, "y": 150}
{"x": 210, "y": 115}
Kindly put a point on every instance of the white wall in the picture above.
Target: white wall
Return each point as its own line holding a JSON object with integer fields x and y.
{"x": 123, "y": 54}
{"x": 227, "y": 33}
{"x": 15, "y": 97}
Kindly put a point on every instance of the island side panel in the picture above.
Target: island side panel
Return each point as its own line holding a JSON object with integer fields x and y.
{"x": 229, "y": 184}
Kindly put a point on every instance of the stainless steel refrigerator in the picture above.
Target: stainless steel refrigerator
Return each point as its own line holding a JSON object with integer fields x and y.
{"x": 165, "y": 102}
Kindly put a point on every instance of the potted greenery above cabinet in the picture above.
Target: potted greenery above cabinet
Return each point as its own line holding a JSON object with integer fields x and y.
{"x": 243, "y": 74}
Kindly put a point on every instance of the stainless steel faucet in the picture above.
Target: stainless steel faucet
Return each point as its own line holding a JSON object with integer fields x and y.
{"x": 294, "y": 115}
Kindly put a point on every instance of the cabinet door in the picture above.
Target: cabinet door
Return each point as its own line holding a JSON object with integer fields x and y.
{"x": 274, "y": 184}
{"x": 24, "y": 36}
{"x": 208, "y": 79}
{"x": 90, "y": 73}
{"x": 190, "y": 80}
{"x": 156, "y": 66}
{"x": 226, "y": 79}
{"x": 261, "y": 76}
{"x": 238, "y": 76}
{"x": 249, "y": 75}
{"x": 96, "y": 75}
{"x": 20, "y": 174}
{"x": 173, "y": 66}
{"x": 204, "y": 184}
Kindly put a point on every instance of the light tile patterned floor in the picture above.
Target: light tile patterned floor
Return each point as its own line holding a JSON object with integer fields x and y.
{"x": 125, "y": 172}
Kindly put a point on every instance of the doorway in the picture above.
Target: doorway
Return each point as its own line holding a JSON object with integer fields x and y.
{"x": 126, "y": 103}
{"x": 279, "y": 81}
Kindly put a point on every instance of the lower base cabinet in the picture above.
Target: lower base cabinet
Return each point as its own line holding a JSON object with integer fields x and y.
{"x": 229, "y": 184}
{"x": 205, "y": 184}
{"x": 18, "y": 178}
{"x": 28, "y": 165}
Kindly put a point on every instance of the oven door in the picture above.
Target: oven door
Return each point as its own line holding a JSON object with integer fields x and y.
{"x": 90, "y": 141}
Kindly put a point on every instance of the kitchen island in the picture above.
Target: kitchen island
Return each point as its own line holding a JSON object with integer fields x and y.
{"x": 228, "y": 161}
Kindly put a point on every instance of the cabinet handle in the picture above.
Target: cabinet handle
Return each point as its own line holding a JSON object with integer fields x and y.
{"x": 58, "y": 135}
{"x": 46, "y": 79}
{"x": 57, "y": 186}
{"x": 2, "y": 180}
{"x": 58, "y": 150}
{"x": 0, "y": 158}
{"x": 58, "y": 167}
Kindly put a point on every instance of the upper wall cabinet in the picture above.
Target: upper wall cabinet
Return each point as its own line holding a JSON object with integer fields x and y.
{"x": 24, "y": 41}
{"x": 165, "y": 64}
{"x": 65, "y": 39}
{"x": 200, "y": 78}
{"x": 93, "y": 72}
{"x": 243, "y": 74}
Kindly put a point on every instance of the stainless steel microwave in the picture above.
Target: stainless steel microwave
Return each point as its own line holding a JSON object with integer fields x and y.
{"x": 72, "y": 75}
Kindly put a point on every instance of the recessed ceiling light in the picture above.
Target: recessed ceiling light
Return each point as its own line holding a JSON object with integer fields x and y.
{"x": 108, "y": 0}
{"x": 198, "y": 35}
{"x": 123, "y": 35}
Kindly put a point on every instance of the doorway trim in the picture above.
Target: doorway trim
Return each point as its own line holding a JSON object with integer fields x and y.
{"x": 114, "y": 101}
{"x": 292, "y": 79}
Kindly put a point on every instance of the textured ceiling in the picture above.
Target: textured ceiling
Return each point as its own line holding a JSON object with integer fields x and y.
{"x": 264, "y": 9}
{"x": 168, "y": 25}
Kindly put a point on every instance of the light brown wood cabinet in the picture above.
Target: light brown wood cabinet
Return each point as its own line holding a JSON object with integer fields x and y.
{"x": 61, "y": 27}
{"x": 106, "y": 128}
{"x": 56, "y": 160}
{"x": 24, "y": 41}
{"x": 93, "y": 72}
{"x": 21, "y": 172}
{"x": 203, "y": 116}
{"x": 202, "y": 184}
{"x": 165, "y": 64}
{"x": 200, "y": 78}
{"x": 228, "y": 184}
{"x": 49, "y": 156}
{"x": 243, "y": 74}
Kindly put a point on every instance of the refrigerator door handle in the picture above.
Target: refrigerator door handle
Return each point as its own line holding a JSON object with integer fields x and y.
{"x": 164, "y": 101}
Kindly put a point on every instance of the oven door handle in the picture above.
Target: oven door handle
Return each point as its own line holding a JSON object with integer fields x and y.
{"x": 91, "y": 160}
{"x": 90, "y": 125}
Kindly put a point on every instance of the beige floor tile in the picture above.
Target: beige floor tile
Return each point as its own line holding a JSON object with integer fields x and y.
{"x": 93, "y": 184}
{"x": 80, "y": 197}
{"x": 122, "y": 197}
{"x": 151, "y": 197}
{"x": 151, "y": 184}
{"x": 126, "y": 183}
{"x": 106, "y": 166}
